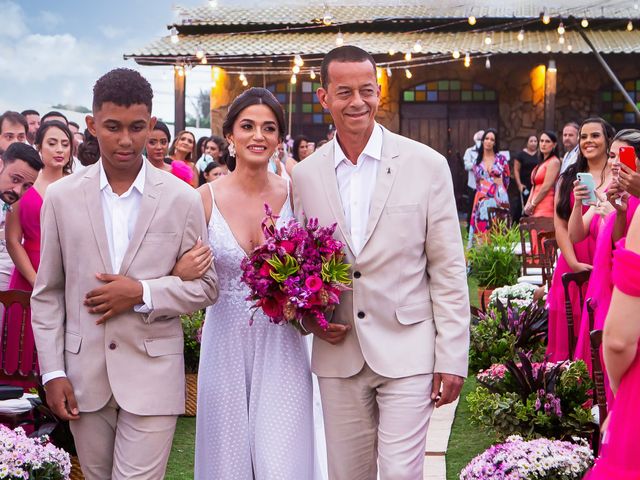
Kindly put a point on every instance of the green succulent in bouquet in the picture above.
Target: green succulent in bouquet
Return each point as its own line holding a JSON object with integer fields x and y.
{"x": 192, "y": 328}
{"x": 492, "y": 261}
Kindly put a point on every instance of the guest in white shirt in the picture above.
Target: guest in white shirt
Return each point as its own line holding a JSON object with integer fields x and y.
{"x": 570, "y": 144}
{"x": 469, "y": 159}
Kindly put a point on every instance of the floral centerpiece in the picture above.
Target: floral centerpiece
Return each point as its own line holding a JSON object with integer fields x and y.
{"x": 519, "y": 296}
{"x": 539, "y": 459}
{"x": 503, "y": 330}
{"x": 534, "y": 399}
{"x": 32, "y": 458}
{"x": 298, "y": 271}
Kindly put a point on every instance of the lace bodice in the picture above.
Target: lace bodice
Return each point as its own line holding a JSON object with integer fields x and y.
{"x": 227, "y": 252}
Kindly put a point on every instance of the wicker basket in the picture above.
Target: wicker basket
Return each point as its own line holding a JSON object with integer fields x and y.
{"x": 191, "y": 395}
{"x": 76, "y": 472}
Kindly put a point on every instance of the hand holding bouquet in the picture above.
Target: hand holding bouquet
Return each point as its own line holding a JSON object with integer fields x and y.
{"x": 298, "y": 271}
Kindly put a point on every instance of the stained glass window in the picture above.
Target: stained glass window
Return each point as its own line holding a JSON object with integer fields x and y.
{"x": 449, "y": 91}
{"x": 305, "y": 105}
{"x": 615, "y": 109}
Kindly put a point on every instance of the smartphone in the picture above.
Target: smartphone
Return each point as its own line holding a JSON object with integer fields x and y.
{"x": 587, "y": 180}
{"x": 628, "y": 157}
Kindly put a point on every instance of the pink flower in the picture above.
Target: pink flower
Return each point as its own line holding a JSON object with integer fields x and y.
{"x": 265, "y": 270}
{"x": 288, "y": 246}
{"x": 313, "y": 283}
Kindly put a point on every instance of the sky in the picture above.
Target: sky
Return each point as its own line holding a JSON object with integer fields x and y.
{"x": 53, "y": 51}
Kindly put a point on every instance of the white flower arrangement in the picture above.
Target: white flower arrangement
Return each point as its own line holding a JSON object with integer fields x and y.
{"x": 520, "y": 295}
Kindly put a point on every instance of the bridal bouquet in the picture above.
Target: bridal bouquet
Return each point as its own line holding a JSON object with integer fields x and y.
{"x": 298, "y": 271}
{"x": 36, "y": 458}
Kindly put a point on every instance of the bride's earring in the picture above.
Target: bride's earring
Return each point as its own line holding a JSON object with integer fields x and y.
{"x": 232, "y": 150}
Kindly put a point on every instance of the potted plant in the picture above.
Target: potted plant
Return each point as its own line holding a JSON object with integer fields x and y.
{"x": 542, "y": 459}
{"x": 492, "y": 261}
{"x": 25, "y": 457}
{"x": 192, "y": 329}
{"x": 519, "y": 295}
{"x": 551, "y": 400}
{"x": 498, "y": 334}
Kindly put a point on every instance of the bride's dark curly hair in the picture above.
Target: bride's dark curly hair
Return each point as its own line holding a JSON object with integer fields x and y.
{"x": 252, "y": 96}
{"x": 563, "y": 208}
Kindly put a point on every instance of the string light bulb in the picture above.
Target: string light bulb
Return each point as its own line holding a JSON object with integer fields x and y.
{"x": 245, "y": 82}
{"x": 471, "y": 20}
{"x": 327, "y": 19}
{"x": 174, "y": 35}
{"x": 561, "y": 29}
{"x": 312, "y": 74}
{"x": 417, "y": 47}
{"x": 389, "y": 73}
{"x": 392, "y": 52}
{"x": 548, "y": 47}
{"x": 569, "y": 47}
{"x": 546, "y": 19}
{"x": 456, "y": 54}
{"x": 521, "y": 35}
{"x": 203, "y": 61}
{"x": 242, "y": 77}
{"x": 487, "y": 39}
{"x": 467, "y": 60}
{"x": 340, "y": 39}
{"x": 584, "y": 23}
{"x": 295, "y": 69}
{"x": 561, "y": 40}
{"x": 487, "y": 63}
{"x": 629, "y": 26}
{"x": 294, "y": 79}
{"x": 408, "y": 56}
{"x": 297, "y": 60}
{"x": 199, "y": 53}
{"x": 408, "y": 73}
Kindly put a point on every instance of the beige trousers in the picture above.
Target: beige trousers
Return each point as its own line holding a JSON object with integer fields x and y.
{"x": 372, "y": 421}
{"x": 115, "y": 444}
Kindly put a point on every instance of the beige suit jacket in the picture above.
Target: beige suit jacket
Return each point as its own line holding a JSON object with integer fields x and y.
{"x": 409, "y": 307}
{"x": 134, "y": 357}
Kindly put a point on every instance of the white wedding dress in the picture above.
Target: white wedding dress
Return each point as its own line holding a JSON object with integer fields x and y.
{"x": 255, "y": 398}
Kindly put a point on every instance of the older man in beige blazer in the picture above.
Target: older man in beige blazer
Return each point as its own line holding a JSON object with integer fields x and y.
{"x": 105, "y": 306}
{"x": 399, "y": 340}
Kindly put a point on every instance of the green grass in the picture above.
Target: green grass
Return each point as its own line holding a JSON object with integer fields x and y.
{"x": 180, "y": 464}
{"x": 466, "y": 441}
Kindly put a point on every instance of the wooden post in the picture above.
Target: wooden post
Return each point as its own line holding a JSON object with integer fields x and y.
{"x": 179, "y": 85}
{"x": 550, "y": 88}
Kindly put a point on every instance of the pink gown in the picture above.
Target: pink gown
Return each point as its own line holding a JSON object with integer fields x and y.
{"x": 619, "y": 457}
{"x": 558, "y": 344}
{"x": 30, "y": 205}
{"x": 600, "y": 289}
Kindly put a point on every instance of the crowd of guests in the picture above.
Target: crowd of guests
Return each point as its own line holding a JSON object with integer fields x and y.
{"x": 595, "y": 233}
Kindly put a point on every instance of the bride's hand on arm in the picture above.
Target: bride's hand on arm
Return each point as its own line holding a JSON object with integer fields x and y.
{"x": 194, "y": 263}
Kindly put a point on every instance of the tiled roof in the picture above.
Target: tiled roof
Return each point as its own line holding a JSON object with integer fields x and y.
{"x": 245, "y": 47}
{"x": 418, "y": 9}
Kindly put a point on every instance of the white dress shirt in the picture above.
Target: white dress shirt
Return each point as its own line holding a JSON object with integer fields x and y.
{"x": 356, "y": 184}
{"x": 469, "y": 159}
{"x": 120, "y": 215}
{"x": 569, "y": 158}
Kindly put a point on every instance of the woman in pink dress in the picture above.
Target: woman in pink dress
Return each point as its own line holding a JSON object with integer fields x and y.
{"x": 54, "y": 142}
{"x": 625, "y": 203}
{"x": 577, "y": 246}
{"x": 619, "y": 457}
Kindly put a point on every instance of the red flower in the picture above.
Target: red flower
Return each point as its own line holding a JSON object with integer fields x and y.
{"x": 265, "y": 270}
{"x": 588, "y": 404}
{"x": 288, "y": 246}
{"x": 271, "y": 307}
{"x": 313, "y": 283}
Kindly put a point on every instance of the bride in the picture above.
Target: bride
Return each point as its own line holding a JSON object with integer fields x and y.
{"x": 255, "y": 413}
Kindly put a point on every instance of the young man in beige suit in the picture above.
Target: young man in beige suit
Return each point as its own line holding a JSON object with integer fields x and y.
{"x": 399, "y": 340}
{"x": 105, "y": 306}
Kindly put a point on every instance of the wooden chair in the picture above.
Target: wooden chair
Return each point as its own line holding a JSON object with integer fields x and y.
{"x": 549, "y": 259}
{"x": 599, "y": 393}
{"x": 590, "y": 313}
{"x": 529, "y": 228}
{"x": 499, "y": 214}
{"x": 26, "y": 368}
{"x": 580, "y": 279}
